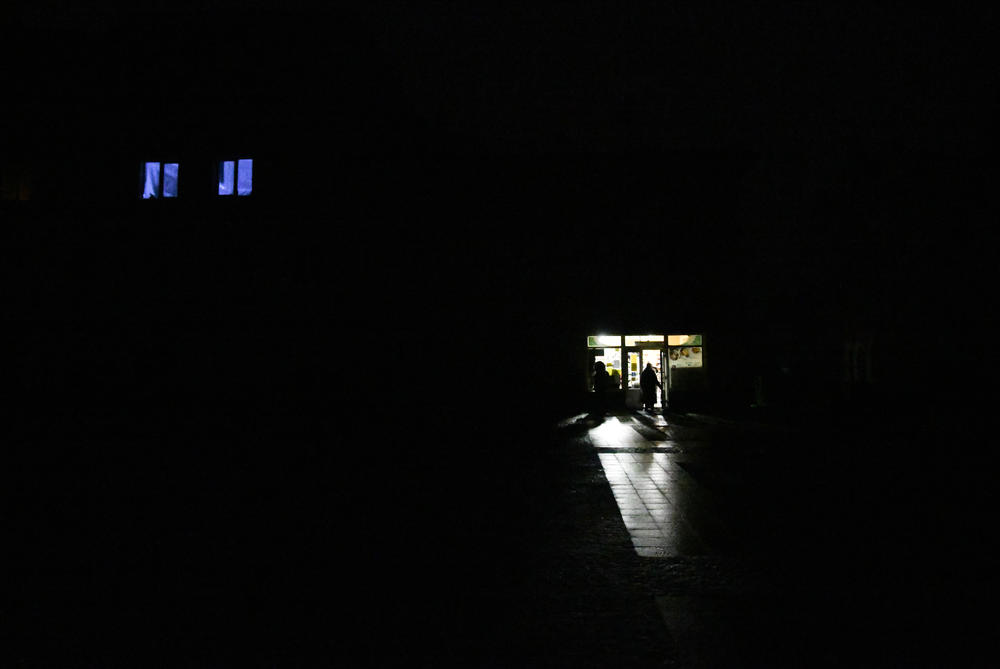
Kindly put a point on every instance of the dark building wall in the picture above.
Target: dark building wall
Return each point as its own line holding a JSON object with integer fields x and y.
{"x": 420, "y": 174}
{"x": 445, "y": 248}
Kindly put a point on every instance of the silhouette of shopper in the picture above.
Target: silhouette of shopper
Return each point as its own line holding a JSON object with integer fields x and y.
{"x": 602, "y": 383}
{"x": 649, "y": 383}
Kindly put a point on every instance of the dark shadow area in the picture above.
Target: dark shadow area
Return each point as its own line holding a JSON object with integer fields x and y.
{"x": 322, "y": 423}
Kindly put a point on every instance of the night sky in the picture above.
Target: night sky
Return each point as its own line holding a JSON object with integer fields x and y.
{"x": 556, "y": 77}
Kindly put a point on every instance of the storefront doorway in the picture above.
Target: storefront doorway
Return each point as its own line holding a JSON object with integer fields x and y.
{"x": 637, "y": 360}
{"x": 677, "y": 359}
{"x": 625, "y": 357}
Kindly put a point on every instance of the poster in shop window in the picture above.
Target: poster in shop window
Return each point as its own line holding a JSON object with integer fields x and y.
{"x": 684, "y": 356}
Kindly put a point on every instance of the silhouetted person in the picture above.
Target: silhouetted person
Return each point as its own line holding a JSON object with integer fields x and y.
{"x": 602, "y": 383}
{"x": 649, "y": 383}
{"x": 616, "y": 379}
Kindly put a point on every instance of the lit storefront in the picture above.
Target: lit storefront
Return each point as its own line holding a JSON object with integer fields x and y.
{"x": 625, "y": 356}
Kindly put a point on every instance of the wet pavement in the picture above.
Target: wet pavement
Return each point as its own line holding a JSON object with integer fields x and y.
{"x": 629, "y": 541}
{"x": 794, "y": 546}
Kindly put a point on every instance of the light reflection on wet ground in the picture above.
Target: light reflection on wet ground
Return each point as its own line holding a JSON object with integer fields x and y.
{"x": 652, "y": 491}
{"x": 819, "y": 540}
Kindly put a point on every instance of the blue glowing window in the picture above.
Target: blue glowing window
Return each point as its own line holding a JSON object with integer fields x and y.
{"x": 236, "y": 176}
{"x": 170, "y": 180}
{"x": 244, "y": 177}
{"x": 226, "y": 177}
{"x": 151, "y": 187}
{"x": 159, "y": 180}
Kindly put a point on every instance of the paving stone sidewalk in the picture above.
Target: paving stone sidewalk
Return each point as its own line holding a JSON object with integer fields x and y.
{"x": 495, "y": 546}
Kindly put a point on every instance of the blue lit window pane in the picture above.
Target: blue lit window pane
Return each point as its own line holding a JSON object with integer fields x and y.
{"x": 151, "y": 187}
{"x": 170, "y": 180}
{"x": 226, "y": 172}
{"x": 244, "y": 177}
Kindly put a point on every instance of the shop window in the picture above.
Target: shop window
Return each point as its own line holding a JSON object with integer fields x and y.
{"x": 236, "y": 177}
{"x": 684, "y": 351}
{"x": 160, "y": 180}
{"x": 612, "y": 359}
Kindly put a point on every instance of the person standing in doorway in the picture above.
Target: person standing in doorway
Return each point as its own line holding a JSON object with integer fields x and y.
{"x": 649, "y": 382}
{"x": 602, "y": 383}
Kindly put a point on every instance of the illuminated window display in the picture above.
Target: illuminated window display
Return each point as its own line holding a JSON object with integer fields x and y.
{"x": 685, "y": 356}
{"x": 611, "y": 357}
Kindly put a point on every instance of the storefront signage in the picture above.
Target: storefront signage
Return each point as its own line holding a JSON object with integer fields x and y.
{"x": 604, "y": 340}
{"x": 684, "y": 340}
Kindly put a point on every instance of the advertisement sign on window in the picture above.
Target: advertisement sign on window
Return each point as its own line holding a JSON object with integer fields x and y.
{"x": 685, "y": 356}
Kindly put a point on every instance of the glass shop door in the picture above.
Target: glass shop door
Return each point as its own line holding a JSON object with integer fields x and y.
{"x": 635, "y": 363}
{"x": 655, "y": 357}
